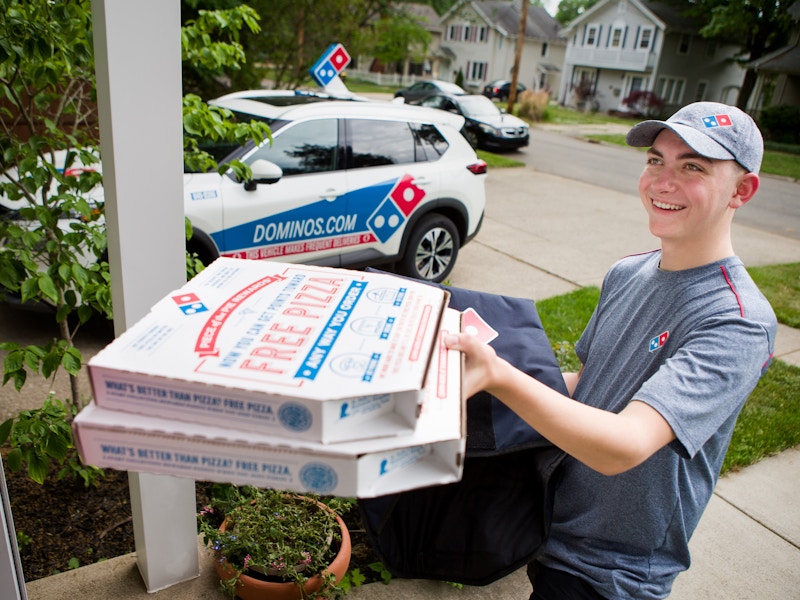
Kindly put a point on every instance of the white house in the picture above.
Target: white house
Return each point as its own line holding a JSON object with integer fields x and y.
{"x": 482, "y": 37}
{"x": 778, "y": 73}
{"x": 621, "y": 46}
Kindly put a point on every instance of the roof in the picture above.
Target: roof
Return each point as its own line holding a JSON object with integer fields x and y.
{"x": 786, "y": 60}
{"x": 425, "y": 15}
{"x": 504, "y": 15}
{"x": 663, "y": 14}
{"x": 672, "y": 17}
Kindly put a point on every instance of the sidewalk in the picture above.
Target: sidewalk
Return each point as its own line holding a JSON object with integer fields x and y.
{"x": 748, "y": 543}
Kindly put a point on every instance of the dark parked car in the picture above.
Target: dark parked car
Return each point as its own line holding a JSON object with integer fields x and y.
{"x": 423, "y": 89}
{"x": 485, "y": 125}
{"x": 500, "y": 89}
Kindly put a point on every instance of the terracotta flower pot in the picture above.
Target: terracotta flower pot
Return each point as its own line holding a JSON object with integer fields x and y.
{"x": 250, "y": 588}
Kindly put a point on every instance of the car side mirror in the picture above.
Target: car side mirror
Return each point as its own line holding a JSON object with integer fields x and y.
{"x": 263, "y": 171}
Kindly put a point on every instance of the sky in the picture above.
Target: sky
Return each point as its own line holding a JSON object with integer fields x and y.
{"x": 551, "y": 6}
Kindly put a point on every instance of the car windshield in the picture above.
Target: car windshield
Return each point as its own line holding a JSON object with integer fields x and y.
{"x": 478, "y": 106}
{"x": 451, "y": 88}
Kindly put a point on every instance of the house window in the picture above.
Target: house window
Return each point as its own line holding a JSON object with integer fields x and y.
{"x": 670, "y": 89}
{"x": 634, "y": 84}
{"x": 467, "y": 33}
{"x": 591, "y": 36}
{"x": 645, "y": 39}
{"x": 616, "y": 37}
{"x": 544, "y": 48}
{"x": 684, "y": 44}
{"x": 700, "y": 94}
{"x": 476, "y": 71}
{"x": 454, "y": 33}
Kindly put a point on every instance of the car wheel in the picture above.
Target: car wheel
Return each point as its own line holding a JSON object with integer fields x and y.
{"x": 432, "y": 249}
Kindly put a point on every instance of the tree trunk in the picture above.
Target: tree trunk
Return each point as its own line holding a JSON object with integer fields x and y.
{"x": 748, "y": 83}
{"x": 512, "y": 92}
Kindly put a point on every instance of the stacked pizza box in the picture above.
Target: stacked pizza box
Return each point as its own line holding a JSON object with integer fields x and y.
{"x": 295, "y": 377}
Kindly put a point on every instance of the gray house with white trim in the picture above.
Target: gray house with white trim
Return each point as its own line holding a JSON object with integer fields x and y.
{"x": 482, "y": 37}
{"x": 621, "y": 46}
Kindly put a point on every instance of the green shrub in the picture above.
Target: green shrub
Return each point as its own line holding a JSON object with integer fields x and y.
{"x": 533, "y": 105}
{"x": 781, "y": 124}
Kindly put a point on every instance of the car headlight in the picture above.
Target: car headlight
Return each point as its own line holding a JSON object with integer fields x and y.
{"x": 487, "y": 129}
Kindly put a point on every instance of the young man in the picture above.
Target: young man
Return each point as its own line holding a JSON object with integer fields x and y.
{"x": 676, "y": 344}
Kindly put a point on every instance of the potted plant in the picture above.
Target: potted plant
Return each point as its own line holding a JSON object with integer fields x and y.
{"x": 271, "y": 544}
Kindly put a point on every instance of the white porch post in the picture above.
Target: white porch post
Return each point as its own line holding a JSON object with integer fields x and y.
{"x": 12, "y": 580}
{"x": 138, "y": 64}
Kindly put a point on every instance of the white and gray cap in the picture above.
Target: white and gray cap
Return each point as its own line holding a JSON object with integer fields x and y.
{"x": 712, "y": 130}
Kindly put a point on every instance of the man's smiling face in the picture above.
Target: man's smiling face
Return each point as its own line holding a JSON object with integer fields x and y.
{"x": 688, "y": 198}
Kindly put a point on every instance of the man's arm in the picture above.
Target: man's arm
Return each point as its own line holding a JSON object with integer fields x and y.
{"x": 571, "y": 381}
{"x": 606, "y": 442}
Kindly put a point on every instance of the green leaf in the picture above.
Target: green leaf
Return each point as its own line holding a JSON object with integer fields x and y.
{"x": 5, "y": 430}
{"x": 72, "y": 360}
{"x": 14, "y": 460}
{"x": 56, "y": 446}
{"x": 48, "y": 288}
{"x": 38, "y": 467}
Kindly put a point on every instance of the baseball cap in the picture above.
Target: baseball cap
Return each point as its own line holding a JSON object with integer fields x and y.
{"x": 712, "y": 130}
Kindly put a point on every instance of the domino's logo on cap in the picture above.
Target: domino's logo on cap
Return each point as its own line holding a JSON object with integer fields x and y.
{"x": 712, "y": 129}
{"x": 717, "y": 121}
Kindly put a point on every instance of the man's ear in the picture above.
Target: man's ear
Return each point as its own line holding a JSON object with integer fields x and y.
{"x": 745, "y": 190}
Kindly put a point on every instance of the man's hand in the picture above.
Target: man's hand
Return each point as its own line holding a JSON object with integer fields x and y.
{"x": 480, "y": 362}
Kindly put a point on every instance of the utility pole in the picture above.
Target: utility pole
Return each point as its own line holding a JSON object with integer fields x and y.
{"x": 523, "y": 20}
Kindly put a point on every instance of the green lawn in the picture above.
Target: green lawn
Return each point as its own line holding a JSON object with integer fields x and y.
{"x": 561, "y": 115}
{"x": 781, "y": 285}
{"x": 770, "y": 420}
{"x": 498, "y": 161}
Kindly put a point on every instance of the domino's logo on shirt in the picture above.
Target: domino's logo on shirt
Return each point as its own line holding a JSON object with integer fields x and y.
{"x": 658, "y": 341}
{"x": 712, "y": 121}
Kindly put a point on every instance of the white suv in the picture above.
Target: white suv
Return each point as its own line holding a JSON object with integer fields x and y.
{"x": 344, "y": 183}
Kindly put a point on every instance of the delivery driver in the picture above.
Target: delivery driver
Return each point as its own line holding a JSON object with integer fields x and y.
{"x": 678, "y": 341}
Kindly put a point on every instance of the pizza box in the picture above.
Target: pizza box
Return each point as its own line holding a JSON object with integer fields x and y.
{"x": 432, "y": 455}
{"x": 314, "y": 353}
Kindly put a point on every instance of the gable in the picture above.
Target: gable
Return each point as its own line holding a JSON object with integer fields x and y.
{"x": 661, "y": 15}
{"x": 503, "y": 16}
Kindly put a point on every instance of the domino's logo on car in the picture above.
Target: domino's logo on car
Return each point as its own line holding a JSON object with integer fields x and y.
{"x": 399, "y": 204}
{"x": 330, "y": 64}
{"x": 373, "y": 212}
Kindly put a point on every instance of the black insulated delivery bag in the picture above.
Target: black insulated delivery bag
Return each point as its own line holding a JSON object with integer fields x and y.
{"x": 494, "y": 520}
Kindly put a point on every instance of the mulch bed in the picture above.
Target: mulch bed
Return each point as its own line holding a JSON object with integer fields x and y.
{"x": 62, "y": 524}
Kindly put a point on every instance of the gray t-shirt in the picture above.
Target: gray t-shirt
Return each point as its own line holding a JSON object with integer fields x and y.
{"x": 692, "y": 344}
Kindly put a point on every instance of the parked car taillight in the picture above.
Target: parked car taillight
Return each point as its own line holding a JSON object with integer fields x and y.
{"x": 478, "y": 168}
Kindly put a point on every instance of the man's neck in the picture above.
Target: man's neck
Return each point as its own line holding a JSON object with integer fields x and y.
{"x": 680, "y": 256}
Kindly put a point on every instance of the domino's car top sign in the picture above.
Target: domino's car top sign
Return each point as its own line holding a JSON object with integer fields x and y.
{"x": 332, "y": 62}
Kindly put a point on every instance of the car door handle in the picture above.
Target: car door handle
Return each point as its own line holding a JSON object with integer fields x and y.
{"x": 421, "y": 181}
{"x": 330, "y": 194}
